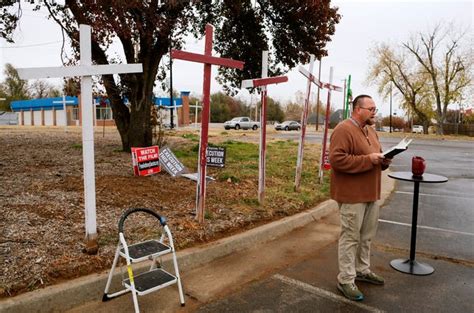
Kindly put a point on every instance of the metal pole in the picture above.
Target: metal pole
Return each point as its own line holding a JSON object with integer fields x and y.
{"x": 414, "y": 222}
{"x": 317, "y": 100}
{"x": 171, "y": 82}
{"x": 390, "y": 107}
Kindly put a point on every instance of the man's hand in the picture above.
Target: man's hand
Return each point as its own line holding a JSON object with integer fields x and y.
{"x": 376, "y": 158}
{"x": 386, "y": 162}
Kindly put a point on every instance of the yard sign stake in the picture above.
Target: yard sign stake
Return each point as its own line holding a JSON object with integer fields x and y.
{"x": 64, "y": 102}
{"x": 329, "y": 87}
{"x": 85, "y": 70}
{"x": 208, "y": 61}
{"x": 263, "y": 82}
{"x": 304, "y": 121}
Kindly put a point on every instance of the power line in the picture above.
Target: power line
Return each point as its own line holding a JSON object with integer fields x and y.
{"x": 33, "y": 45}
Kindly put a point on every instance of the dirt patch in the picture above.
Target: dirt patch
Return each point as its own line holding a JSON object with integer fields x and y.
{"x": 42, "y": 209}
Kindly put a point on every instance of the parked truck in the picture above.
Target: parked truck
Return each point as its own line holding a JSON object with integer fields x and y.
{"x": 242, "y": 122}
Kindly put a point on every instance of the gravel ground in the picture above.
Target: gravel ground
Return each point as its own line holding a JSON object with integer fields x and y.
{"x": 42, "y": 210}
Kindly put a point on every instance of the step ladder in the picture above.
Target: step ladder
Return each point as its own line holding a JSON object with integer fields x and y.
{"x": 156, "y": 277}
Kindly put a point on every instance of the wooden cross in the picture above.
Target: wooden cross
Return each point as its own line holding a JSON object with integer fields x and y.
{"x": 263, "y": 82}
{"x": 208, "y": 61}
{"x": 196, "y": 106}
{"x": 85, "y": 70}
{"x": 330, "y": 87}
{"x": 323, "y": 156}
{"x": 64, "y": 102}
{"x": 304, "y": 121}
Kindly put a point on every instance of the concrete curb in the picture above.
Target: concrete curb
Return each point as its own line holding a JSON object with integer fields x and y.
{"x": 67, "y": 295}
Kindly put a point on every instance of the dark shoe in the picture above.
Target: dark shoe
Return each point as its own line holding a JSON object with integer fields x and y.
{"x": 350, "y": 291}
{"x": 370, "y": 278}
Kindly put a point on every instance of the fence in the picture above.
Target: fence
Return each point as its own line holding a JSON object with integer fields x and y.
{"x": 8, "y": 118}
{"x": 458, "y": 129}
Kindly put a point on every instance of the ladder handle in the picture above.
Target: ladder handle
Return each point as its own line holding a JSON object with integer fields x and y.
{"x": 145, "y": 210}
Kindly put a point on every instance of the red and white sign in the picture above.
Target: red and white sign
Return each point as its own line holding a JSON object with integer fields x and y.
{"x": 146, "y": 161}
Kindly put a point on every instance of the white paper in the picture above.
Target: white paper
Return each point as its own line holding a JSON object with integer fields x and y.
{"x": 400, "y": 147}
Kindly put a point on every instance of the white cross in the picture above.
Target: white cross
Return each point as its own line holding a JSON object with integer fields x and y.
{"x": 304, "y": 120}
{"x": 262, "y": 83}
{"x": 196, "y": 114}
{"x": 64, "y": 102}
{"x": 85, "y": 70}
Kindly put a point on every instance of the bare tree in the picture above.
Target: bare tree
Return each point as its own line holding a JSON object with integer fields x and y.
{"x": 393, "y": 70}
{"x": 442, "y": 57}
{"x": 43, "y": 89}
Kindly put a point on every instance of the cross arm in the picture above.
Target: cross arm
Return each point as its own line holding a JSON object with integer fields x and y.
{"x": 253, "y": 83}
{"x": 207, "y": 59}
{"x": 81, "y": 70}
{"x": 313, "y": 79}
{"x": 310, "y": 76}
{"x": 332, "y": 87}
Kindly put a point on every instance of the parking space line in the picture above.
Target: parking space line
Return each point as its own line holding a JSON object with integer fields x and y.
{"x": 324, "y": 293}
{"x": 428, "y": 227}
{"x": 435, "y": 195}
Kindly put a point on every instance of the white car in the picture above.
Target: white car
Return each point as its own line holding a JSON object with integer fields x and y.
{"x": 417, "y": 129}
{"x": 242, "y": 122}
{"x": 288, "y": 125}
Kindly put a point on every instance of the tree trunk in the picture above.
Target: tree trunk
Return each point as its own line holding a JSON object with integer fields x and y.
{"x": 140, "y": 132}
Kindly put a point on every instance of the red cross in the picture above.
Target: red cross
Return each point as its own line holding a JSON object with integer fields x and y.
{"x": 323, "y": 164}
{"x": 208, "y": 61}
{"x": 324, "y": 161}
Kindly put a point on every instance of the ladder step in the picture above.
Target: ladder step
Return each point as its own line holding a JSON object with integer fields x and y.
{"x": 151, "y": 281}
{"x": 142, "y": 250}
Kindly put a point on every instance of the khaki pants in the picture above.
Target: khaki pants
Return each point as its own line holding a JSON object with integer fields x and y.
{"x": 358, "y": 227}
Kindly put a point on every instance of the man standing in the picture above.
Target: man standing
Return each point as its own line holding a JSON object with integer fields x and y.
{"x": 357, "y": 164}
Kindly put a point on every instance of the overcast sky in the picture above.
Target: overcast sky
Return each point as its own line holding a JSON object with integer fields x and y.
{"x": 363, "y": 23}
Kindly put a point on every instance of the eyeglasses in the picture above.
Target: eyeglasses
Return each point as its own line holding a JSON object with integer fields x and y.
{"x": 374, "y": 110}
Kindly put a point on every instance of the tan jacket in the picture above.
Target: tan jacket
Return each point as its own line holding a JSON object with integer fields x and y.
{"x": 354, "y": 179}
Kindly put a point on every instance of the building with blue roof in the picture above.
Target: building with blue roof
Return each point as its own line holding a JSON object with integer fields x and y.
{"x": 50, "y": 111}
{"x": 47, "y": 111}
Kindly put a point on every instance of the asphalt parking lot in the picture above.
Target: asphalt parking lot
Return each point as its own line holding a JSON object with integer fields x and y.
{"x": 444, "y": 240}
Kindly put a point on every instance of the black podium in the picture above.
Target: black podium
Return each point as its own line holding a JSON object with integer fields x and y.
{"x": 411, "y": 266}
